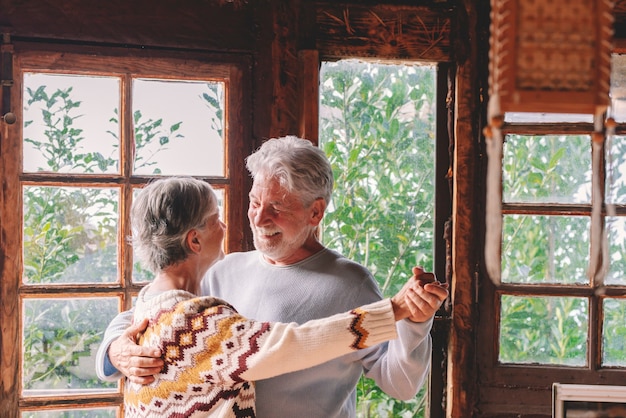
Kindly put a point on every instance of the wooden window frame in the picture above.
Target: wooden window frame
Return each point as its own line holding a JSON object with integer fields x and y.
{"x": 234, "y": 71}
{"x": 530, "y": 385}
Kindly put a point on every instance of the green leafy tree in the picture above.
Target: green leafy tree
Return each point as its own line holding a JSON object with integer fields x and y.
{"x": 616, "y": 185}
{"x": 614, "y": 332}
{"x": 377, "y": 128}
{"x": 544, "y": 330}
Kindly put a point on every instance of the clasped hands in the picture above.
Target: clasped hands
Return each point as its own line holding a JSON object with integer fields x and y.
{"x": 420, "y": 297}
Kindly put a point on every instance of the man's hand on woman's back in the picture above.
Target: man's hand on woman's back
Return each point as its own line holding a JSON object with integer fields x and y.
{"x": 136, "y": 362}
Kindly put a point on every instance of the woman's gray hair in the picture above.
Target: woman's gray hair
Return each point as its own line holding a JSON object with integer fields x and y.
{"x": 162, "y": 215}
{"x": 301, "y": 168}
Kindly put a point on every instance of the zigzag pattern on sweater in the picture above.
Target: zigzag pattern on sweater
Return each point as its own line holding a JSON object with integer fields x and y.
{"x": 357, "y": 328}
{"x": 205, "y": 351}
{"x": 208, "y": 347}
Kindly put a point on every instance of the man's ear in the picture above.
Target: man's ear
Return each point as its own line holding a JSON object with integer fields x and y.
{"x": 317, "y": 211}
{"x": 192, "y": 241}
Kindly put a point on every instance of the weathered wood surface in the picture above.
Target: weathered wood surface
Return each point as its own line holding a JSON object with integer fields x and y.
{"x": 284, "y": 68}
{"x": 466, "y": 234}
{"x": 9, "y": 272}
{"x": 384, "y": 31}
{"x": 308, "y": 94}
{"x": 198, "y": 24}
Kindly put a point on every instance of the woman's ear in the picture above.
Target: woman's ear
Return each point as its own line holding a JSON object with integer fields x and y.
{"x": 193, "y": 242}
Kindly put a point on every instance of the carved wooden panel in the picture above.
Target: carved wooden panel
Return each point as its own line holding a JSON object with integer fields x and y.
{"x": 384, "y": 31}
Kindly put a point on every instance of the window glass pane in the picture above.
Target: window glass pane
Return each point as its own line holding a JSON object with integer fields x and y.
{"x": 618, "y": 87}
{"x": 70, "y": 235}
{"x": 614, "y": 333}
{"x": 71, "y": 124}
{"x": 179, "y": 127}
{"x": 555, "y": 169}
{"x": 220, "y": 201}
{"x": 543, "y": 330}
{"x": 377, "y": 126}
{"x": 616, "y": 229}
{"x": 545, "y": 249}
{"x": 616, "y": 170}
{"x": 73, "y": 413}
{"x": 61, "y": 338}
{"x": 140, "y": 274}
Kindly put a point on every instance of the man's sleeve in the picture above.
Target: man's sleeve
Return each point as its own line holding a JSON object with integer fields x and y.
{"x": 104, "y": 369}
{"x": 401, "y": 366}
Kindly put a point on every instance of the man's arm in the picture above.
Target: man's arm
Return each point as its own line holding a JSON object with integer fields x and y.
{"x": 401, "y": 366}
{"x": 119, "y": 355}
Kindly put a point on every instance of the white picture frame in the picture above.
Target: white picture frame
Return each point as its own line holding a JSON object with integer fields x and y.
{"x": 587, "y": 401}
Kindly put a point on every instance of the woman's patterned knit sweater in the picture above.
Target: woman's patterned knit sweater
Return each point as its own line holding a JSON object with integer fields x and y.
{"x": 212, "y": 354}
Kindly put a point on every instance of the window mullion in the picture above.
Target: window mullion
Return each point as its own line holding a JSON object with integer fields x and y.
{"x": 127, "y": 154}
{"x": 597, "y": 268}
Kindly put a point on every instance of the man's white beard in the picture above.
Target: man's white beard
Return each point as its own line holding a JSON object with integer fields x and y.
{"x": 281, "y": 249}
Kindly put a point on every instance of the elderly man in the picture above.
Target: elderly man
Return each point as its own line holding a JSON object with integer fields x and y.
{"x": 292, "y": 277}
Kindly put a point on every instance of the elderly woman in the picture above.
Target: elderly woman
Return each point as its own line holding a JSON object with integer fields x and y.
{"x": 212, "y": 353}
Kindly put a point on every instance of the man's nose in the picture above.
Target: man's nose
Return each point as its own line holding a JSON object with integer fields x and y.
{"x": 260, "y": 215}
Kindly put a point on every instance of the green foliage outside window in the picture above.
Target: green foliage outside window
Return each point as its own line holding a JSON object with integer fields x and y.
{"x": 555, "y": 249}
{"x": 544, "y": 330}
{"x": 377, "y": 128}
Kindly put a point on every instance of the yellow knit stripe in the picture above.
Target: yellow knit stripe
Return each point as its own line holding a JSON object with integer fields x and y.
{"x": 187, "y": 374}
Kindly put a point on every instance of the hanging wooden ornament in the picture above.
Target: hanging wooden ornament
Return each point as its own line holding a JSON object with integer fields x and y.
{"x": 551, "y": 56}
{"x": 544, "y": 57}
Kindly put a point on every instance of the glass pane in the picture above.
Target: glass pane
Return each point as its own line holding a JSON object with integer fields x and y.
{"x": 616, "y": 170}
{"x": 73, "y": 413}
{"x": 71, "y": 123}
{"x": 377, "y": 127}
{"x": 61, "y": 338}
{"x": 527, "y": 117}
{"x": 70, "y": 235}
{"x": 547, "y": 169}
{"x": 179, "y": 127}
{"x": 616, "y": 229}
{"x": 140, "y": 274}
{"x": 614, "y": 333}
{"x": 543, "y": 330}
{"x": 545, "y": 249}
{"x": 618, "y": 87}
